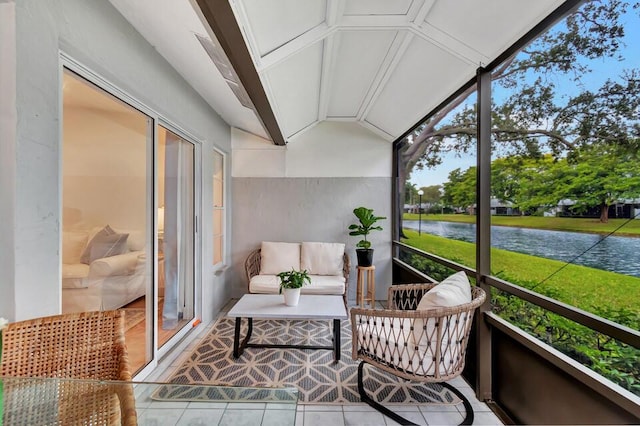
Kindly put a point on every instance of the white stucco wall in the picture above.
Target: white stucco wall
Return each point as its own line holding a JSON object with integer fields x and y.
{"x": 94, "y": 34}
{"x": 308, "y": 192}
{"x": 8, "y": 118}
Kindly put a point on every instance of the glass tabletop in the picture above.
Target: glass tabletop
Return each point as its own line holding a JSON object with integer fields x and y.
{"x": 56, "y": 401}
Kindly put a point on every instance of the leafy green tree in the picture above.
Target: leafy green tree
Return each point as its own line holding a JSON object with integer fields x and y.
{"x": 460, "y": 189}
{"x": 594, "y": 176}
{"x": 431, "y": 194}
{"x": 540, "y": 115}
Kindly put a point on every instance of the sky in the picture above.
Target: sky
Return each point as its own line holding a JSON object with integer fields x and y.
{"x": 602, "y": 70}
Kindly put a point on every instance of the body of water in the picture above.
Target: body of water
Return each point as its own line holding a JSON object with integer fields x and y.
{"x": 615, "y": 254}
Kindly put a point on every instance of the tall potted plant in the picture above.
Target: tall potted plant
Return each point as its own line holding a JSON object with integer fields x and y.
{"x": 366, "y": 220}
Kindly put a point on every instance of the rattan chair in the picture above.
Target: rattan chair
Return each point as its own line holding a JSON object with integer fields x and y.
{"x": 252, "y": 268}
{"x": 427, "y": 346}
{"x": 85, "y": 345}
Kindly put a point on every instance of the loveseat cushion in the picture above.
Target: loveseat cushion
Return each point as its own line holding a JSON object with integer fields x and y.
{"x": 322, "y": 258}
{"x": 279, "y": 257}
{"x": 73, "y": 275}
{"x": 113, "y": 266}
{"x": 320, "y": 284}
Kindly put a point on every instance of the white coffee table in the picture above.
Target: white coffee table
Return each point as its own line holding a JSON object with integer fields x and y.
{"x": 271, "y": 306}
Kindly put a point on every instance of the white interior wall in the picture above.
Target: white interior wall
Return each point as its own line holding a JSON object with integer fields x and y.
{"x": 94, "y": 34}
{"x": 104, "y": 166}
{"x": 308, "y": 192}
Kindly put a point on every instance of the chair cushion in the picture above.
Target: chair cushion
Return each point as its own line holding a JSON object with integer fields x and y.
{"x": 279, "y": 257}
{"x": 322, "y": 258}
{"x": 452, "y": 291}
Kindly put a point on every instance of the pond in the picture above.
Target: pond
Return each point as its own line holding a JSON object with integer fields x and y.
{"x": 615, "y": 254}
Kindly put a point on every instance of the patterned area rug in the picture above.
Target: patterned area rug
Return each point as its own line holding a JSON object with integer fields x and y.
{"x": 313, "y": 372}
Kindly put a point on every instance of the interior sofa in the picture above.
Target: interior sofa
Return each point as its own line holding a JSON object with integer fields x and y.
{"x": 326, "y": 263}
{"x": 102, "y": 269}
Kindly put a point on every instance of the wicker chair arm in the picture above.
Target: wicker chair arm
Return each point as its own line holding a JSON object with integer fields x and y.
{"x": 252, "y": 264}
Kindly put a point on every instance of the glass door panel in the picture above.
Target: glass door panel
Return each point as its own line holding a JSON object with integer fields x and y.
{"x": 176, "y": 233}
{"x": 106, "y": 181}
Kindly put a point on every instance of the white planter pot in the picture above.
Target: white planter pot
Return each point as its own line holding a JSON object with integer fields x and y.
{"x": 291, "y": 296}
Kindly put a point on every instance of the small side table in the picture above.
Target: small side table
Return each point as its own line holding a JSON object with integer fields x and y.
{"x": 370, "y": 273}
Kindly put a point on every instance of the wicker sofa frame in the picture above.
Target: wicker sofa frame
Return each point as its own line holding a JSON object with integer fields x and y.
{"x": 252, "y": 268}
{"x": 85, "y": 345}
{"x": 452, "y": 326}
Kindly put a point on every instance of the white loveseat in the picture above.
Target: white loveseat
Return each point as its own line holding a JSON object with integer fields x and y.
{"x": 102, "y": 283}
{"x": 326, "y": 263}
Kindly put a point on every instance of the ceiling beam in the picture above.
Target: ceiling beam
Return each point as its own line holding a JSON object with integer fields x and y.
{"x": 295, "y": 45}
{"x": 222, "y": 22}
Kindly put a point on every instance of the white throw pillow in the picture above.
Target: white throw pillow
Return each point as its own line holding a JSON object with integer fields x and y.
{"x": 454, "y": 290}
{"x": 279, "y": 257}
{"x": 322, "y": 258}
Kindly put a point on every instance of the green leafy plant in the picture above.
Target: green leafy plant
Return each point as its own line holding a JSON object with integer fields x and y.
{"x": 293, "y": 279}
{"x": 367, "y": 221}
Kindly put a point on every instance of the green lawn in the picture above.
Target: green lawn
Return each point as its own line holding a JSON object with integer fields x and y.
{"x": 580, "y": 286}
{"x": 632, "y": 228}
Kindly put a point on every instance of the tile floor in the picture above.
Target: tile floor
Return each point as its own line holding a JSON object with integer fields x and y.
{"x": 156, "y": 413}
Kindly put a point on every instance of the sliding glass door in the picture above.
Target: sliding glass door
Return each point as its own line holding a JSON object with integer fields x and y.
{"x": 120, "y": 171}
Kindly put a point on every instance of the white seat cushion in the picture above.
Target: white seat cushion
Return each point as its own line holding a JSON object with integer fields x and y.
{"x": 73, "y": 275}
{"x": 320, "y": 284}
{"x": 325, "y": 284}
{"x": 322, "y": 258}
{"x": 279, "y": 257}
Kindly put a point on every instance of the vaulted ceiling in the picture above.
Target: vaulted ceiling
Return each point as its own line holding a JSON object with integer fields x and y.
{"x": 381, "y": 63}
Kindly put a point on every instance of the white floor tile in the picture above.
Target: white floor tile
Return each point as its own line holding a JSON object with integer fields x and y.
{"x": 160, "y": 417}
{"x": 443, "y": 418}
{"x": 200, "y": 417}
{"x": 323, "y": 418}
{"x": 413, "y": 416}
{"x": 354, "y": 418}
{"x": 486, "y": 419}
{"x": 241, "y": 417}
{"x": 319, "y": 407}
{"x": 278, "y": 417}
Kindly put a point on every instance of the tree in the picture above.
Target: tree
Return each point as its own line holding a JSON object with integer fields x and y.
{"x": 538, "y": 116}
{"x": 460, "y": 189}
{"x": 593, "y": 177}
{"x": 431, "y": 194}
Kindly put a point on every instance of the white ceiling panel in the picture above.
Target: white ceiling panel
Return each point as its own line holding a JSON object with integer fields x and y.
{"x": 377, "y": 7}
{"x": 273, "y": 23}
{"x": 358, "y": 60}
{"x": 425, "y": 76}
{"x": 171, "y": 28}
{"x": 294, "y": 85}
{"x": 488, "y": 26}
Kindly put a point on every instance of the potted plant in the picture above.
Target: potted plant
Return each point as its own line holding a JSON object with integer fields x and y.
{"x": 367, "y": 221}
{"x": 290, "y": 284}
